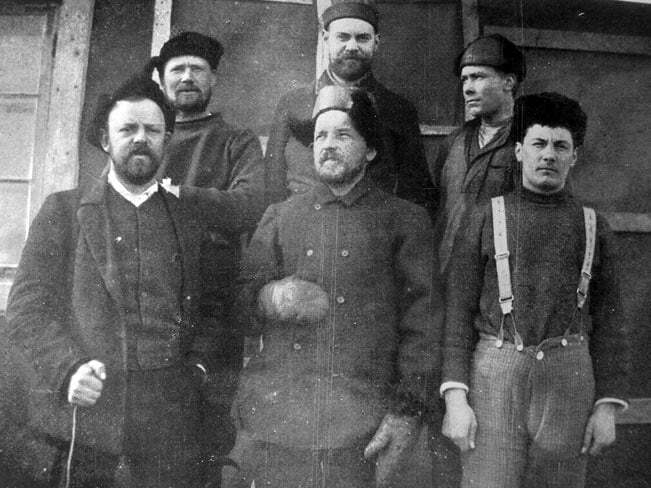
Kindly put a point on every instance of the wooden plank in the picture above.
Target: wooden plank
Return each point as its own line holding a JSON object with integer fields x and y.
{"x": 470, "y": 20}
{"x": 321, "y": 54}
{"x": 573, "y": 41}
{"x": 162, "y": 25}
{"x": 639, "y": 412}
{"x": 628, "y": 221}
{"x": 67, "y": 95}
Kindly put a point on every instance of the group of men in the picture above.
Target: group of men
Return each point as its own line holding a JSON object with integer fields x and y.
{"x": 372, "y": 287}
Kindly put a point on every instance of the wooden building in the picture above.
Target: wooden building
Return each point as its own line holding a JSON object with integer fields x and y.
{"x": 56, "y": 57}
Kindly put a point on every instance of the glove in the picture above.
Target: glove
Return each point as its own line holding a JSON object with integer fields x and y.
{"x": 293, "y": 300}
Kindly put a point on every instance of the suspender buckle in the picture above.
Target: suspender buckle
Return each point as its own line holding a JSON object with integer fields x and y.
{"x": 504, "y": 255}
{"x": 506, "y": 304}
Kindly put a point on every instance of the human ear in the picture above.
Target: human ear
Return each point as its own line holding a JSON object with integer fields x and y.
{"x": 518, "y": 151}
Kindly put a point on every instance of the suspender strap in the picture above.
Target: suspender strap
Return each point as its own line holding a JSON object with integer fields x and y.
{"x": 502, "y": 255}
{"x": 590, "y": 220}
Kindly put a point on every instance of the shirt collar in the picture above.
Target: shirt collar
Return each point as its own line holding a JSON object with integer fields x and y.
{"x": 136, "y": 199}
{"x": 323, "y": 194}
{"x": 326, "y": 79}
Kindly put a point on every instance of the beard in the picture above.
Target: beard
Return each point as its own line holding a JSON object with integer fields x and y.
{"x": 194, "y": 101}
{"x": 350, "y": 67}
{"x": 334, "y": 170}
{"x": 138, "y": 167}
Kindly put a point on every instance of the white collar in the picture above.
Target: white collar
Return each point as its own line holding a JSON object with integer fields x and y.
{"x": 136, "y": 199}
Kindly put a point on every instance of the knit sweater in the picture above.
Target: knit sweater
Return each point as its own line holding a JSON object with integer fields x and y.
{"x": 546, "y": 239}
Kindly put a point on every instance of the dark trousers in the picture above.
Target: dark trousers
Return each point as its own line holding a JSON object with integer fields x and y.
{"x": 531, "y": 407}
{"x": 160, "y": 448}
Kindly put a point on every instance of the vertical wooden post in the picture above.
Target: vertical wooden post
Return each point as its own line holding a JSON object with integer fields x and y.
{"x": 470, "y": 20}
{"x": 162, "y": 25}
{"x": 61, "y": 167}
{"x": 321, "y": 55}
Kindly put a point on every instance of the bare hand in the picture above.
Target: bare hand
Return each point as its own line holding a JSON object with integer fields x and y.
{"x": 600, "y": 431}
{"x": 86, "y": 384}
{"x": 393, "y": 439}
{"x": 459, "y": 422}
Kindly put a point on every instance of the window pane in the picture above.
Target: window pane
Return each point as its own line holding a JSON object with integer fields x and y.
{"x": 14, "y": 199}
{"x": 17, "y": 137}
{"x": 21, "y": 41}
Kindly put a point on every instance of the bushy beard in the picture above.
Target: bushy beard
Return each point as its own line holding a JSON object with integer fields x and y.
{"x": 198, "y": 105}
{"x": 135, "y": 172}
{"x": 350, "y": 67}
{"x": 348, "y": 174}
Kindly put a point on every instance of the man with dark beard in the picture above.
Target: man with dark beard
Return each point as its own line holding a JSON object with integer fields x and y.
{"x": 106, "y": 305}
{"x": 351, "y": 39}
{"x": 338, "y": 279}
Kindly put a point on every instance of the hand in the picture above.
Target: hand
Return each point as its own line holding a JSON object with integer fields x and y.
{"x": 293, "y": 299}
{"x": 393, "y": 439}
{"x": 459, "y": 422}
{"x": 600, "y": 431}
{"x": 86, "y": 384}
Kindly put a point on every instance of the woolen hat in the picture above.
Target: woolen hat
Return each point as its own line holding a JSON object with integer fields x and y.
{"x": 495, "y": 51}
{"x": 332, "y": 97}
{"x": 188, "y": 44}
{"x": 356, "y": 9}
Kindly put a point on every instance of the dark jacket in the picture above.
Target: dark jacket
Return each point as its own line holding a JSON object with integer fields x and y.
{"x": 400, "y": 169}
{"x": 470, "y": 176}
{"x": 330, "y": 384}
{"x": 66, "y": 306}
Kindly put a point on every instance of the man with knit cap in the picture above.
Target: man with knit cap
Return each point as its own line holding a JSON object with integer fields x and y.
{"x": 351, "y": 40}
{"x": 107, "y": 304}
{"x": 338, "y": 281}
{"x": 207, "y": 152}
{"x": 477, "y": 161}
{"x": 534, "y": 365}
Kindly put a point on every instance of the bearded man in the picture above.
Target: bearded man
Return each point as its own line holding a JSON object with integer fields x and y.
{"x": 106, "y": 305}
{"x": 351, "y": 39}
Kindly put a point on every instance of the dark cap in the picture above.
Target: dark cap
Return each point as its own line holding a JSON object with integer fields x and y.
{"x": 136, "y": 88}
{"x": 359, "y": 104}
{"x": 188, "y": 44}
{"x": 356, "y": 9}
{"x": 549, "y": 109}
{"x": 495, "y": 51}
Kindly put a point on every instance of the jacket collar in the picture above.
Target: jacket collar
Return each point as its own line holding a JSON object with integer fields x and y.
{"x": 324, "y": 196}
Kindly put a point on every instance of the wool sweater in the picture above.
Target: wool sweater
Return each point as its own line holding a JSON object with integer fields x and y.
{"x": 546, "y": 239}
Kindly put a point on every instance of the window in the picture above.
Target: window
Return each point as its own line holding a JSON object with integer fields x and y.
{"x": 25, "y": 68}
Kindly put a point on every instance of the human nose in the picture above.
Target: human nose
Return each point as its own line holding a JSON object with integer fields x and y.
{"x": 548, "y": 153}
{"x": 468, "y": 86}
{"x": 139, "y": 135}
{"x": 187, "y": 75}
{"x": 351, "y": 44}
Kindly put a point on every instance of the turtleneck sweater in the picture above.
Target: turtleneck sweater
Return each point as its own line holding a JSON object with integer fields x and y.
{"x": 546, "y": 241}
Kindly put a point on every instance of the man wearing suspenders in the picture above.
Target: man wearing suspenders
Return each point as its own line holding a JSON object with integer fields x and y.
{"x": 535, "y": 366}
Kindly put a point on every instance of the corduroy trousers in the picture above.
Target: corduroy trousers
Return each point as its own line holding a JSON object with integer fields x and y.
{"x": 532, "y": 408}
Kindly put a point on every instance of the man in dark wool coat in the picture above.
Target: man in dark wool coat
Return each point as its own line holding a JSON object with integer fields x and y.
{"x": 351, "y": 39}
{"x": 106, "y": 306}
{"x": 338, "y": 280}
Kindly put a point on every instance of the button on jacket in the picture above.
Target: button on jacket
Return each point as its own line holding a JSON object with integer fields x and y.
{"x": 330, "y": 383}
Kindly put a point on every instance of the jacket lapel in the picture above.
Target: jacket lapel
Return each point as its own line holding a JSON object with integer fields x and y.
{"x": 96, "y": 229}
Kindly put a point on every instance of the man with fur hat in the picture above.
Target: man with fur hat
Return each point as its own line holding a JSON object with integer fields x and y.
{"x": 107, "y": 302}
{"x": 207, "y": 152}
{"x": 477, "y": 162}
{"x": 338, "y": 281}
{"x": 351, "y": 39}
{"x": 534, "y": 366}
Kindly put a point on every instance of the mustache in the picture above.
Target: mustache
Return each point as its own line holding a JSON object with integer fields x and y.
{"x": 141, "y": 150}
{"x": 329, "y": 154}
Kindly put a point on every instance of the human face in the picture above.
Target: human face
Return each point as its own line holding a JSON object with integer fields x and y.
{"x": 187, "y": 83}
{"x": 340, "y": 152}
{"x": 135, "y": 139}
{"x": 351, "y": 45}
{"x": 546, "y": 155}
{"x": 487, "y": 92}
